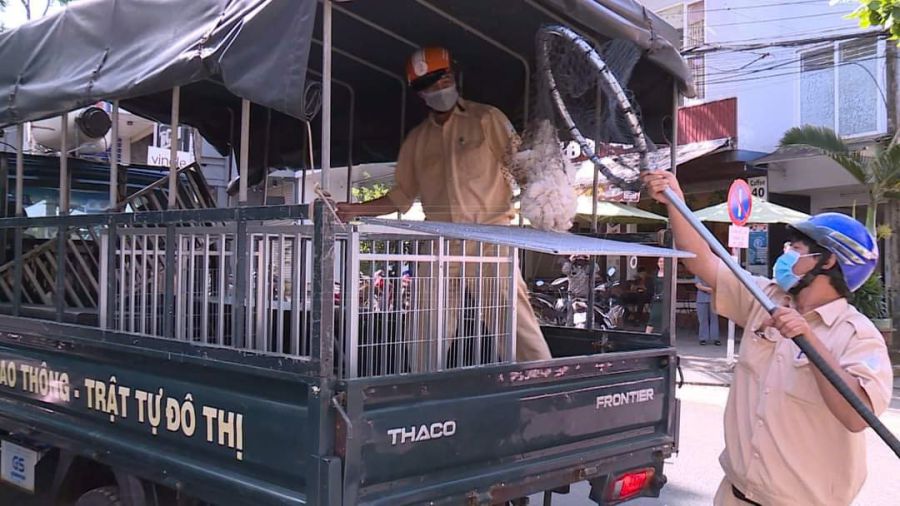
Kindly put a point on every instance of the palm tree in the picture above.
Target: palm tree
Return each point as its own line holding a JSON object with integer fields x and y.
{"x": 879, "y": 172}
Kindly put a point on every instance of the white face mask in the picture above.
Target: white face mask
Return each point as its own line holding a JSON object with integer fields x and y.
{"x": 441, "y": 100}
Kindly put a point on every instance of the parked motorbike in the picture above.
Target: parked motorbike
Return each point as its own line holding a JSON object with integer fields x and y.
{"x": 566, "y": 309}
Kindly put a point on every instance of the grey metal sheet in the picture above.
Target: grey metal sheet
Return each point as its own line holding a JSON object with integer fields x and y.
{"x": 554, "y": 243}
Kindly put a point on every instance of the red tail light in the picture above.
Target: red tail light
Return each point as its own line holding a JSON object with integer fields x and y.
{"x": 630, "y": 484}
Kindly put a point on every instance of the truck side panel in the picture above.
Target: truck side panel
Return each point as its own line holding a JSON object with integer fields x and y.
{"x": 228, "y": 432}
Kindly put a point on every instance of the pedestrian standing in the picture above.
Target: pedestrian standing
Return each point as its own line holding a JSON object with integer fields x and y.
{"x": 706, "y": 315}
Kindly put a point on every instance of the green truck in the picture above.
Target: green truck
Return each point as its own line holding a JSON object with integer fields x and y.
{"x": 167, "y": 351}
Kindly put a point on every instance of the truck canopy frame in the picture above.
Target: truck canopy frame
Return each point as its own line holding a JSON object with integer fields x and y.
{"x": 135, "y": 52}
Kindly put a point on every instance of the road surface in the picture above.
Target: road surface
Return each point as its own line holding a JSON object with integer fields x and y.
{"x": 694, "y": 474}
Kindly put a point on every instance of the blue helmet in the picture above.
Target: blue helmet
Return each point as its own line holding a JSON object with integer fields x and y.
{"x": 855, "y": 248}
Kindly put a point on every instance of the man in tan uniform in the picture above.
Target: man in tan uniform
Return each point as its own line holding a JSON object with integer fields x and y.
{"x": 790, "y": 437}
{"x": 454, "y": 162}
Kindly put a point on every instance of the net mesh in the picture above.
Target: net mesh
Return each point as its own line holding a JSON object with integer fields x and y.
{"x": 574, "y": 96}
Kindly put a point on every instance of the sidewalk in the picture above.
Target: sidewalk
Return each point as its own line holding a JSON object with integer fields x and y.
{"x": 707, "y": 365}
{"x": 704, "y": 365}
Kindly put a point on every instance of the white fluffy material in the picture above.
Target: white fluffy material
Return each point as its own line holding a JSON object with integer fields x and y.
{"x": 548, "y": 198}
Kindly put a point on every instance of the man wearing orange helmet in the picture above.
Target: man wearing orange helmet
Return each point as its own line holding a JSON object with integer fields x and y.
{"x": 455, "y": 163}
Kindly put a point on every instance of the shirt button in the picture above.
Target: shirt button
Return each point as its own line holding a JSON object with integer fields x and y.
{"x": 756, "y": 456}
{"x": 767, "y": 391}
{"x": 759, "y": 423}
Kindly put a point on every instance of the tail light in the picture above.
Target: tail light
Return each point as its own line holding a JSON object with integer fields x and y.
{"x": 630, "y": 484}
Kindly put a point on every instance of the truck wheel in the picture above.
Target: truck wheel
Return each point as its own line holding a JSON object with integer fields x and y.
{"x": 103, "y": 496}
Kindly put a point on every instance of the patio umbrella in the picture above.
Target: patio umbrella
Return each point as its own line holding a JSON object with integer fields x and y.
{"x": 615, "y": 212}
{"x": 763, "y": 212}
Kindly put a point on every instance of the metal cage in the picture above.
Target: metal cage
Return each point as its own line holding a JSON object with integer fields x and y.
{"x": 404, "y": 302}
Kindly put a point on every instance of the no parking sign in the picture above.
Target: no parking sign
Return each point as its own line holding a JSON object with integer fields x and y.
{"x": 740, "y": 206}
{"x": 740, "y": 203}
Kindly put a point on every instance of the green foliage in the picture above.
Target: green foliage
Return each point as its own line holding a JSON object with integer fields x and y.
{"x": 879, "y": 172}
{"x": 869, "y": 299}
{"x": 884, "y": 13}
{"x": 366, "y": 193}
{"x": 369, "y": 192}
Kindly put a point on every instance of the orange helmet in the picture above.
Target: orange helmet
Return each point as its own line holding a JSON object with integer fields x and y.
{"x": 426, "y": 66}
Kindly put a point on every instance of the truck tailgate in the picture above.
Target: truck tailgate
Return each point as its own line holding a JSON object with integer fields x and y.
{"x": 485, "y": 434}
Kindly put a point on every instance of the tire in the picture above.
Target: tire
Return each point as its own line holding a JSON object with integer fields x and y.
{"x": 103, "y": 496}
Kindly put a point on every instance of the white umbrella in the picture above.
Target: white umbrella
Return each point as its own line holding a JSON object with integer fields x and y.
{"x": 762, "y": 212}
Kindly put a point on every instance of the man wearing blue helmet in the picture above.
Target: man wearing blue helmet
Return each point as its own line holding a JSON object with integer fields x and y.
{"x": 790, "y": 437}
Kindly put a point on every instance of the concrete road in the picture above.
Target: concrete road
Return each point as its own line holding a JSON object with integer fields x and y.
{"x": 694, "y": 474}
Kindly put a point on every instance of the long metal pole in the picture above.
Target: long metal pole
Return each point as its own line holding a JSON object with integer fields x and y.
{"x": 20, "y": 211}
{"x": 20, "y": 169}
{"x": 673, "y": 165}
{"x": 59, "y": 293}
{"x": 114, "y": 158}
{"x": 729, "y": 345}
{"x": 325, "y": 161}
{"x": 64, "y": 166}
{"x": 244, "y": 170}
{"x": 173, "y": 148}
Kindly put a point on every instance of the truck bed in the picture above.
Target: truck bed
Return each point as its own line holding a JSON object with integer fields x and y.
{"x": 479, "y": 435}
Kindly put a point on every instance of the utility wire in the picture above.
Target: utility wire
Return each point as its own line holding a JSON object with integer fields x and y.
{"x": 763, "y": 6}
{"x": 783, "y": 43}
{"x": 749, "y": 78}
{"x": 841, "y": 30}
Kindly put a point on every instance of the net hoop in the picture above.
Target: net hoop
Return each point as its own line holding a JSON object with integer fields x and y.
{"x": 609, "y": 81}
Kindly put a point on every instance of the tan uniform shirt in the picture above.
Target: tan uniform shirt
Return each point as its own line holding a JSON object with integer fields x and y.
{"x": 782, "y": 444}
{"x": 457, "y": 169}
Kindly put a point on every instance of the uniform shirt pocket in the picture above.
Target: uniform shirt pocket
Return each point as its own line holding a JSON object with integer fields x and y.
{"x": 800, "y": 382}
{"x": 473, "y": 152}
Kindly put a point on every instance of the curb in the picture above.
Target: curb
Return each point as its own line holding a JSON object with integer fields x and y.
{"x": 705, "y": 384}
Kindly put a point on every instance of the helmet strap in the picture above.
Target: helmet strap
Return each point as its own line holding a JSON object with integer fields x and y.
{"x": 810, "y": 276}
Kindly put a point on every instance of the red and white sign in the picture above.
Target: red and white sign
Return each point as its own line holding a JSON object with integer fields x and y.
{"x": 740, "y": 203}
{"x": 738, "y": 237}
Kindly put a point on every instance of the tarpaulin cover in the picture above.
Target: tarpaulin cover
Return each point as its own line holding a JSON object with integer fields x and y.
{"x": 118, "y": 49}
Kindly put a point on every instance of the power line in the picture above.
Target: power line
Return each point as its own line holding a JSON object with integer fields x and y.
{"x": 747, "y": 78}
{"x": 791, "y": 60}
{"x": 775, "y": 20}
{"x": 762, "y": 6}
{"x": 842, "y": 30}
{"x": 784, "y": 43}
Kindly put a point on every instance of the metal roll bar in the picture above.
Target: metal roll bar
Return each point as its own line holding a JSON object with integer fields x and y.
{"x": 380, "y": 70}
{"x": 352, "y": 93}
{"x": 478, "y": 33}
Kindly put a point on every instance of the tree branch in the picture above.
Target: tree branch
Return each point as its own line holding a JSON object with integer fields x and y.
{"x": 27, "y": 5}
{"x": 47, "y": 7}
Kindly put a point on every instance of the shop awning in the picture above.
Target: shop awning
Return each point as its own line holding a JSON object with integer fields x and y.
{"x": 658, "y": 160}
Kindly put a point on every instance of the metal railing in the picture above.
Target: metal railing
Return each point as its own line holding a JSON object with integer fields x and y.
{"x": 79, "y": 267}
{"x": 362, "y": 301}
{"x": 277, "y": 285}
{"x": 418, "y": 303}
{"x": 192, "y": 192}
{"x": 404, "y": 303}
